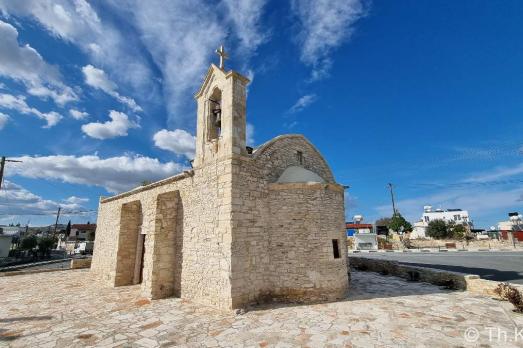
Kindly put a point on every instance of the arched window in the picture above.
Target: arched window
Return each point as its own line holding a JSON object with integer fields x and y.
{"x": 214, "y": 119}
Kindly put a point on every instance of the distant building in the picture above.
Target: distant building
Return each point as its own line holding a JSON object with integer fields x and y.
{"x": 81, "y": 232}
{"x": 512, "y": 227}
{"x": 5, "y": 245}
{"x": 363, "y": 234}
{"x": 13, "y": 231}
{"x": 457, "y": 216}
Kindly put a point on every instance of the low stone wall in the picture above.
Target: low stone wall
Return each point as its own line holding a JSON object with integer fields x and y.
{"x": 453, "y": 280}
{"x": 81, "y": 263}
{"x": 473, "y": 244}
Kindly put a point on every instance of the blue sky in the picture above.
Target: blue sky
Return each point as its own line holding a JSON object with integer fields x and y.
{"x": 96, "y": 97}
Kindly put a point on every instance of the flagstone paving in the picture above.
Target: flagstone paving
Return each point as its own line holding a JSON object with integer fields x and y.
{"x": 66, "y": 308}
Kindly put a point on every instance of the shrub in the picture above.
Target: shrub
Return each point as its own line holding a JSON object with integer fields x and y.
{"x": 512, "y": 295}
{"x": 28, "y": 243}
{"x": 45, "y": 244}
{"x": 438, "y": 229}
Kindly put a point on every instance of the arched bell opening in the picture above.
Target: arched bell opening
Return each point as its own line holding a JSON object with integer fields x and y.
{"x": 214, "y": 120}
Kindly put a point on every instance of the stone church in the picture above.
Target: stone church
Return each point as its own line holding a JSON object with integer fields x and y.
{"x": 242, "y": 226}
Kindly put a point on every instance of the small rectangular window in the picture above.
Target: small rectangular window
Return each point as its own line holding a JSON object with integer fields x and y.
{"x": 299, "y": 157}
{"x": 335, "y": 249}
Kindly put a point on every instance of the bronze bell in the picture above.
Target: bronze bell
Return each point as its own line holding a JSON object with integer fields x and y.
{"x": 217, "y": 117}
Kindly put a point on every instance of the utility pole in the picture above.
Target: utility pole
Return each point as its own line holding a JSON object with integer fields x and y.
{"x": 2, "y": 165}
{"x": 393, "y": 203}
{"x": 56, "y": 223}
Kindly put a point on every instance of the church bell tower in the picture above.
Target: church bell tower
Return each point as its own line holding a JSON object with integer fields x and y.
{"x": 221, "y": 120}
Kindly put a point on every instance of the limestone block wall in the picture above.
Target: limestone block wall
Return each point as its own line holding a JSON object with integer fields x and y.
{"x": 305, "y": 220}
{"x": 202, "y": 236}
{"x": 257, "y": 225}
{"x": 160, "y": 274}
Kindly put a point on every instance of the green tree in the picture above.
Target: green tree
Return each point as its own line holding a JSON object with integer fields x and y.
{"x": 28, "y": 243}
{"x": 68, "y": 229}
{"x": 397, "y": 222}
{"x": 438, "y": 229}
{"x": 90, "y": 236}
{"x": 45, "y": 244}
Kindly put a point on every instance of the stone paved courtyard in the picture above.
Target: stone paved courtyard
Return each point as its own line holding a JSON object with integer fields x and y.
{"x": 65, "y": 309}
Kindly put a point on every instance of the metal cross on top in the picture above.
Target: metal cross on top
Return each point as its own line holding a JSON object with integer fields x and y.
{"x": 221, "y": 52}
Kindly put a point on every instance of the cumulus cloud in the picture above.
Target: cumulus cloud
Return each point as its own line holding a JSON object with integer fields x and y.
{"x": 118, "y": 126}
{"x": 78, "y": 115}
{"x": 78, "y": 23}
{"x": 98, "y": 79}
{"x": 302, "y": 103}
{"x": 25, "y": 64}
{"x": 324, "y": 26}
{"x": 16, "y": 200}
{"x": 3, "y": 120}
{"x": 174, "y": 38}
{"x": 18, "y": 103}
{"x": 115, "y": 174}
{"x": 178, "y": 141}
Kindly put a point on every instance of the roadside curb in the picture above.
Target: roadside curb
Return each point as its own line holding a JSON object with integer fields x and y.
{"x": 433, "y": 250}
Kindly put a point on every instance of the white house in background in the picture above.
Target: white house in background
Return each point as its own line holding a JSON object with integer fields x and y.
{"x": 5, "y": 245}
{"x": 363, "y": 234}
{"x": 13, "y": 231}
{"x": 457, "y": 216}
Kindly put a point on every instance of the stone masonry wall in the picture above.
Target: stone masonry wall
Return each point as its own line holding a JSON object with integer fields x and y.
{"x": 202, "y": 238}
{"x": 305, "y": 219}
{"x": 279, "y": 153}
{"x": 257, "y": 226}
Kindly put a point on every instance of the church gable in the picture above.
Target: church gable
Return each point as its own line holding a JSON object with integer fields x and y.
{"x": 284, "y": 151}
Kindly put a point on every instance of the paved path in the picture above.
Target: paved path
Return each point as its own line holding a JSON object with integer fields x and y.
{"x": 499, "y": 266}
{"x": 68, "y": 309}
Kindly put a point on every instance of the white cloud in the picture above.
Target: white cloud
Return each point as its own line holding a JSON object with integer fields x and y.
{"x": 302, "y": 103}
{"x": 180, "y": 38}
{"x": 177, "y": 141}
{"x": 249, "y": 134}
{"x": 117, "y": 127}
{"x": 3, "y": 120}
{"x": 98, "y": 79}
{"x": 496, "y": 174}
{"x": 175, "y": 38}
{"x": 77, "y": 22}
{"x": 76, "y": 200}
{"x": 78, "y": 115}
{"x": 324, "y": 26}
{"x": 25, "y": 64}
{"x": 8, "y": 101}
{"x": 115, "y": 174}
{"x": 245, "y": 16}
{"x": 16, "y": 200}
